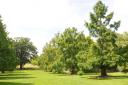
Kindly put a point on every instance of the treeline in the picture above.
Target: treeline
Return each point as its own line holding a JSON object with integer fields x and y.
{"x": 72, "y": 51}
{"x": 104, "y": 50}
{"x": 67, "y": 51}
{"x": 64, "y": 52}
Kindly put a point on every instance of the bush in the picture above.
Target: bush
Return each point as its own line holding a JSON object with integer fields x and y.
{"x": 80, "y": 73}
{"x": 57, "y": 67}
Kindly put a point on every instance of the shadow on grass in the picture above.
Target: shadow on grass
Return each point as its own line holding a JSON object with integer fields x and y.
{"x": 12, "y": 83}
{"x": 62, "y": 74}
{"x": 14, "y": 74}
{"x": 106, "y": 78}
{"x": 9, "y": 76}
{"x": 28, "y": 69}
{"x": 91, "y": 74}
{"x": 68, "y": 74}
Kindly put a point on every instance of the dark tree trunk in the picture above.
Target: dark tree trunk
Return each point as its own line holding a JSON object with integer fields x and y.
{"x": 103, "y": 72}
{"x": 21, "y": 66}
{"x": 2, "y": 71}
{"x": 73, "y": 70}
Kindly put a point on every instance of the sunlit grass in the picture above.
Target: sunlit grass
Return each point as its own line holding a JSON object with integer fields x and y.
{"x": 38, "y": 77}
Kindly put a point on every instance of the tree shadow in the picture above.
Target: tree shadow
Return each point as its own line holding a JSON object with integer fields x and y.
{"x": 106, "y": 78}
{"x": 30, "y": 68}
{"x": 9, "y": 76}
{"x": 68, "y": 74}
{"x": 14, "y": 74}
{"x": 12, "y": 83}
{"x": 91, "y": 74}
{"x": 63, "y": 74}
{"x": 56, "y": 73}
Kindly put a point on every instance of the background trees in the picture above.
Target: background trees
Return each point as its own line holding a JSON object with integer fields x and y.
{"x": 50, "y": 58}
{"x": 61, "y": 53}
{"x": 101, "y": 28}
{"x": 122, "y": 51}
{"x": 25, "y": 50}
{"x": 70, "y": 43}
{"x": 7, "y": 52}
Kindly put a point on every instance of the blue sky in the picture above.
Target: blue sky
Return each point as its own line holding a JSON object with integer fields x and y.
{"x": 40, "y": 20}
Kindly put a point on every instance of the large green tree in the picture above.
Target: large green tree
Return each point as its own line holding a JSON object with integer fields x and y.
{"x": 7, "y": 52}
{"x": 70, "y": 44}
{"x": 25, "y": 50}
{"x": 104, "y": 32}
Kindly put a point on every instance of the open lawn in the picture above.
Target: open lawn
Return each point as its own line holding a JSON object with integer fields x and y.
{"x": 38, "y": 77}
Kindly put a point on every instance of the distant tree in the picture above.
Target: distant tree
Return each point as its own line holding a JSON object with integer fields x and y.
{"x": 50, "y": 57}
{"x": 25, "y": 50}
{"x": 7, "y": 52}
{"x": 104, "y": 32}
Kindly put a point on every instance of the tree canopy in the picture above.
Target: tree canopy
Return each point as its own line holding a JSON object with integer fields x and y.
{"x": 7, "y": 51}
{"x": 105, "y": 33}
{"x": 25, "y": 50}
{"x": 61, "y": 53}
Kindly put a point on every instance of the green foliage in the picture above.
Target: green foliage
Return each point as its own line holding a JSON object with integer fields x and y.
{"x": 84, "y": 57}
{"x": 34, "y": 61}
{"x": 101, "y": 28}
{"x": 70, "y": 44}
{"x": 49, "y": 60}
{"x": 80, "y": 73}
{"x": 7, "y": 52}
{"x": 72, "y": 51}
{"x": 25, "y": 50}
{"x": 62, "y": 52}
{"x": 122, "y": 51}
{"x": 58, "y": 67}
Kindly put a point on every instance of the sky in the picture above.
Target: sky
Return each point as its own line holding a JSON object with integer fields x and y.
{"x": 40, "y": 20}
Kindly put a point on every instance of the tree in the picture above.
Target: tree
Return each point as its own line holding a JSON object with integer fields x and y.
{"x": 7, "y": 52}
{"x": 50, "y": 58}
{"x": 70, "y": 44}
{"x": 101, "y": 29}
{"x": 122, "y": 51}
{"x": 25, "y": 50}
{"x": 62, "y": 52}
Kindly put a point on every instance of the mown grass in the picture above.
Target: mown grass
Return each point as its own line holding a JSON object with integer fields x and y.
{"x": 38, "y": 77}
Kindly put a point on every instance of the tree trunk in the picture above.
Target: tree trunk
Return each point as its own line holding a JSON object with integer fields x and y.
{"x": 103, "y": 72}
{"x": 73, "y": 70}
{"x": 2, "y": 71}
{"x": 21, "y": 66}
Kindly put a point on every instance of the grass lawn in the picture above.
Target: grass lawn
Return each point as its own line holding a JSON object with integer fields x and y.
{"x": 38, "y": 77}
